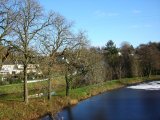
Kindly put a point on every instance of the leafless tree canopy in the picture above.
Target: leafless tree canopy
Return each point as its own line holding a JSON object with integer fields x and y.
{"x": 8, "y": 14}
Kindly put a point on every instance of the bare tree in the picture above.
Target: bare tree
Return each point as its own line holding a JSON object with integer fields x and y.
{"x": 56, "y": 39}
{"x": 29, "y": 23}
{"x": 8, "y": 14}
{"x": 96, "y": 66}
{"x": 75, "y": 65}
{"x": 127, "y": 60}
{"x": 148, "y": 55}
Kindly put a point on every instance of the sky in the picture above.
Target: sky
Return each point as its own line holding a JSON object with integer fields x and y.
{"x": 134, "y": 21}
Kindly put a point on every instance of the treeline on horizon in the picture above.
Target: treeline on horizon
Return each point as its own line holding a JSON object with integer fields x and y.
{"x": 30, "y": 36}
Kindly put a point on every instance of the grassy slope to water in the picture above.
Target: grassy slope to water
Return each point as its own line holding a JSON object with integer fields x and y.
{"x": 88, "y": 91}
{"x": 38, "y": 107}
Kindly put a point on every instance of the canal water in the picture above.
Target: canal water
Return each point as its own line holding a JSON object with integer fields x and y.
{"x": 138, "y": 102}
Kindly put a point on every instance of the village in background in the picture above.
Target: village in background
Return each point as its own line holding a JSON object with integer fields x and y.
{"x": 12, "y": 73}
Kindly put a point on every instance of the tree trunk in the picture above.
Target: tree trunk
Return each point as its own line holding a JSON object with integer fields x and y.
{"x": 149, "y": 72}
{"x": 49, "y": 88}
{"x": 67, "y": 85}
{"x": 49, "y": 82}
{"x": 25, "y": 85}
{"x": 120, "y": 72}
{"x": 1, "y": 64}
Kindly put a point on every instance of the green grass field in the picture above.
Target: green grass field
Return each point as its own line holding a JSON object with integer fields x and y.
{"x": 15, "y": 91}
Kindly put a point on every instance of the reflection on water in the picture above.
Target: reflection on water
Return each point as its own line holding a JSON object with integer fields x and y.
{"x": 121, "y": 104}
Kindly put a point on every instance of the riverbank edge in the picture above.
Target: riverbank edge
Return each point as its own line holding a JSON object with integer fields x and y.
{"x": 87, "y": 92}
{"x": 37, "y": 108}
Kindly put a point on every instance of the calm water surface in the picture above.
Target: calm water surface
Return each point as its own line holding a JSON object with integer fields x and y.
{"x": 121, "y": 104}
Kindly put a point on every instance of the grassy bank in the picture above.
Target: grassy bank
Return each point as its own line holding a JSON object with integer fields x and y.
{"x": 88, "y": 91}
{"x": 40, "y": 106}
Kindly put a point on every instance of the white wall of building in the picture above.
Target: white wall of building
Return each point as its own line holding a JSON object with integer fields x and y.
{"x": 17, "y": 68}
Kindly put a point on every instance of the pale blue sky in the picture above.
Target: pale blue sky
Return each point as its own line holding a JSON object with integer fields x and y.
{"x": 135, "y": 21}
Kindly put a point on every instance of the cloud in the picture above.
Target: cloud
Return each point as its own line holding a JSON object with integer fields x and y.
{"x": 112, "y": 14}
{"x": 100, "y": 13}
{"x": 135, "y": 26}
{"x": 136, "y": 11}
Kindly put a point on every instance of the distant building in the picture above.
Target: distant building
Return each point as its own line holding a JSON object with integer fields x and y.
{"x": 18, "y": 68}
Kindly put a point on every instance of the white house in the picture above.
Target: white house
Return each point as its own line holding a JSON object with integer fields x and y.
{"x": 7, "y": 69}
{"x": 18, "y": 68}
